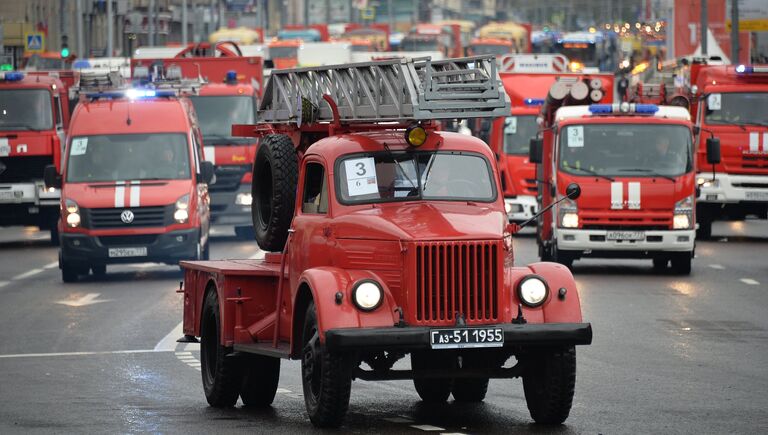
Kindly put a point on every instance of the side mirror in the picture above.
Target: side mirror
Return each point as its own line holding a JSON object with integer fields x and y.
{"x": 573, "y": 191}
{"x": 696, "y": 130}
{"x": 206, "y": 172}
{"x": 51, "y": 177}
{"x": 535, "y": 150}
{"x": 713, "y": 150}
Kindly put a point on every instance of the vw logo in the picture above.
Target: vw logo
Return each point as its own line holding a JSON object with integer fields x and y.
{"x": 126, "y": 216}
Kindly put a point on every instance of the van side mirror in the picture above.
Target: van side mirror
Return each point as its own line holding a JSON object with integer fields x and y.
{"x": 713, "y": 150}
{"x": 206, "y": 172}
{"x": 51, "y": 177}
{"x": 535, "y": 150}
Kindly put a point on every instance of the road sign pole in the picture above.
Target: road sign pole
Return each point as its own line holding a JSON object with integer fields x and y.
{"x": 110, "y": 29}
{"x": 734, "y": 31}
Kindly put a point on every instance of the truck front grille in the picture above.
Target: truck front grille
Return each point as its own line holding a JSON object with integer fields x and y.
{"x": 99, "y": 218}
{"x": 228, "y": 177}
{"x": 457, "y": 277}
{"x": 23, "y": 169}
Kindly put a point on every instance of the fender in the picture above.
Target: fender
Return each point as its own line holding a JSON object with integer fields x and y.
{"x": 325, "y": 282}
{"x": 554, "y": 309}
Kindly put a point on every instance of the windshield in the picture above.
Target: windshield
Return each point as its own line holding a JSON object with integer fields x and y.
{"x": 738, "y": 108}
{"x": 25, "y": 109}
{"x": 283, "y": 52}
{"x": 127, "y": 157}
{"x": 47, "y": 63}
{"x": 496, "y": 50}
{"x": 414, "y": 44}
{"x": 518, "y": 131}
{"x": 217, "y": 114}
{"x": 383, "y": 177}
{"x": 625, "y": 150}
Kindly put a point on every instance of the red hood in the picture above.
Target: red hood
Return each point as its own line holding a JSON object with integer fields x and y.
{"x": 128, "y": 194}
{"x": 743, "y": 151}
{"x": 27, "y": 143}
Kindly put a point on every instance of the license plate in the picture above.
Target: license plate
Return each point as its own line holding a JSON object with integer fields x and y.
{"x": 757, "y": 196}
{"x": 11, "y": 194}
{"x": 127, "y": 252}
{"x": 466, "y": 338}
{"x": 625, "y": 235}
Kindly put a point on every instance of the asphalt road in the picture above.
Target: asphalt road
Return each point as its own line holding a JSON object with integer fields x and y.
{"x": 670, "y": 354}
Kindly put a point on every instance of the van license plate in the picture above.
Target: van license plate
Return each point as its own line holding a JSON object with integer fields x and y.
{"x": 625, "y": 235}
{"x": 756, "y": 196}
{"x": 127, "y": 252}
{"x": 466, "y": 338}
{"x": 11, "y": 194}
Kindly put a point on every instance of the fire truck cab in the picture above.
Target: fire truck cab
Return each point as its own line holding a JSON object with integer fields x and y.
{"x": 133, "y": 180}
{"x": 387, "y": 237}
{"x": 34, "y": 116}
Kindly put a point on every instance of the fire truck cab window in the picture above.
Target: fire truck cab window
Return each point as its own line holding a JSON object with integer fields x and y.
{"x": 217, "y": 114}
{"x": 25, "y": 109}
{"x": 315, "y": 189}
{"x": 740, "y": 108}
{"x": 518, "y": 131}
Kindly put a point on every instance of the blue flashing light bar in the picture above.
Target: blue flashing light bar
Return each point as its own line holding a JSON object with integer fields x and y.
{"x": 231, "y": 77}
{"x": 649, "y": 109}
{"x": 11, "y": 76}
{"x": 623, "y": 108}
{"x": 748, "y": 69}
{"x": 600, "y": 108}
{"x": 132, "y": 93}
{"x": 534, "y": 101}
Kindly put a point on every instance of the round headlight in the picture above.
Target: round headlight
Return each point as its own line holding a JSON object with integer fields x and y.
{"x": 532, "y": 290}
{"x": 73, "y": 220}
{"x": 367, "y": 295}
{"x": 181, "y": 216}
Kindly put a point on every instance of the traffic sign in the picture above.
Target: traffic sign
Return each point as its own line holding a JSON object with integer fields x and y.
{"x": 34, "y": 42}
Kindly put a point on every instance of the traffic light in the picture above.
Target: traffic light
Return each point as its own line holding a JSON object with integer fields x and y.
{"x": 64, "y": 47}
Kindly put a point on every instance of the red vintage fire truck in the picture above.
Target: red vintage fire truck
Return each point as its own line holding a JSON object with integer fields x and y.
{"x": 34, "y": 117}
{"x": 228, "y": 96}
{"x": 133, "y": 180}
{"x": 387, "y": 237}
{"x": 527, "y": 79}
{"x": 636, "y": 166}
{"x": 730, "y": 102}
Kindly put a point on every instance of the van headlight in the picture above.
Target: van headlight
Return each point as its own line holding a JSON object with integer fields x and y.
{"x": 683, "y": 217}
{"x": 532, "y": 290}
{"x": 73, "y": 213}
{"x": 243, "y": 199}
{"x": 367, "y": 295}
{"x": 181, "y": 215}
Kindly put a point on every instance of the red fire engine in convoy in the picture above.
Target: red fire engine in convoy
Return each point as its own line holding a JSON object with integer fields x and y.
{"x": 34, "y": 116}
{"x": 445, "y": 38}
{"x": 731, "y": 102}
{"x": 394, "y": 241}
{"x": 527, "y": 79}
{"x": 133, "y": 181}
{"x": 636, "y": 166}
{"x": 228, "y": 96}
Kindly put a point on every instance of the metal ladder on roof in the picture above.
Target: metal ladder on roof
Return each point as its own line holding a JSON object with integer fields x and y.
{"x": 394, "y": 90}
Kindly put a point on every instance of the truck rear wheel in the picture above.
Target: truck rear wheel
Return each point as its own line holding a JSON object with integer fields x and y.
{"x": 221, "y": 375}
{"x": 430, "y": 389}
{"x": 325, "y": 377}
{"x": 470, "y": 390}
{"x": 275, "y": 174}
{"x": 260, "y": 377}
{"x": 548, "y": 382}
{"x": 705, "y": 229}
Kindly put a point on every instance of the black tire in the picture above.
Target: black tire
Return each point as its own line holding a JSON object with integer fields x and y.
{"x": 705, "y": 229}
{"x": 681, "y": 263}
{"x": 470, "y": 390}
{"x": 660, "y": 264}
{"x": 548, "y": 382}
{"x": 222, "y": 377}
{"x": 260, "y": 377}
{"x": 207, "y": 251}
{"x": 562, "y": 257}
{"x": 275, "y": 174}
{"x": 325, "y": 377}
{"x": 432, "y": 390}
{"x": 99, "y": 269}
{"x": 55, "y": 234}
{"x": 245, "y": 233}
{"x": 69, "y": 272}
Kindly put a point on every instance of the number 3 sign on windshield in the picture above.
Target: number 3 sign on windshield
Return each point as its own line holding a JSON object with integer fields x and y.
{"x": 361, "y": 176}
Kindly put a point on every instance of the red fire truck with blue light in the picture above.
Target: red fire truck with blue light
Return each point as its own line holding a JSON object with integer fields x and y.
{"x": 386, "y": 238}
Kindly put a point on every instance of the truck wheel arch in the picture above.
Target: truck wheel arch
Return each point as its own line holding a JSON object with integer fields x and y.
{"x": 303, "y": 297}
{"x": 555, "y": 309}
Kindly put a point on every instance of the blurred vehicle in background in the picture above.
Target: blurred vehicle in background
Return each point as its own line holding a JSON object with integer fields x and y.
{"x": 518, "y": 34}
{"x": 434, "y": 37}
{"x": 494, "y": 46}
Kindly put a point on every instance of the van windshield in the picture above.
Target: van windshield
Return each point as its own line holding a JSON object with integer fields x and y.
{"x": 124, "y": 157}
{"x": 26, "y": 109}
{"x": 216, "y": 114}
{"x": 518, "y": 131}
{"x": 403, "y": 176}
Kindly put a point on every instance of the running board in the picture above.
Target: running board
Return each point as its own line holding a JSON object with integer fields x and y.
{"x": 283, "y": 350}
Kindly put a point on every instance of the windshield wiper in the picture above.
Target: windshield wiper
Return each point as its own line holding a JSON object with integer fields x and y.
{"x": 648, "y": 171}
{"x": 20, "y": 125}
{"x": 760, "y": 123}
{"x": 726, "y": 122}
{"x": 402, "y": 171}
{"x": 591, "y": 172}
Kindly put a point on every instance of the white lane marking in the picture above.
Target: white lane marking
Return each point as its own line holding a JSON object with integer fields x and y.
{"x": 400, "y": 420}
{"x": 27, "y": 274}
{"x": 258, "y": 255}
{"x": 52, "y": 354}
{"x": 426, "y": 427}
{"x": 749, "y": 281}
{"x": 717, "y": 266}
{"x": 3, "y": 284}
{"x": 169, "y": 341}
{"x": 51, "y": 265}
{"x": 283, "y": 390}
{"x": 88, "y": 299}
{"x": 183, "y": 353}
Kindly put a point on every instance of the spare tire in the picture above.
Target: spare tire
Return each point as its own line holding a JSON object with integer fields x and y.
{"x": 273, "y": 189}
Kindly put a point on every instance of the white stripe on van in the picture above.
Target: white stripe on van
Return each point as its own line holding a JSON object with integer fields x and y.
{"x": 135, "y": 194}
{"x": 754, "y": 142}
{"x": 120, "y": 194}
{"x": 633, "y": 195}
{"x": 617, "y": 195}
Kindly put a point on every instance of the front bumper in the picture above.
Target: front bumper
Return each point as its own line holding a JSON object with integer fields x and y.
{"x": 28, "y": 204}
{"x": 521, "y": 208}
{"x": 732, "y": 188}
{"x": 418, "y": 338}
{"x": 225, "y": 210}
{"x": 170, "y": 247}
{"x": 655, "y": 241}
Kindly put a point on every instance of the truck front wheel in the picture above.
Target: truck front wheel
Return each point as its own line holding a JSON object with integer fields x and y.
{"x": 548, "y": 383}
{"x": 260, "y": 377}
{"x": 434, "y": 390}
{"x": 325, "y": 377}
{"x": 681, "y": 263}
{"x": 221, "y": 375}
